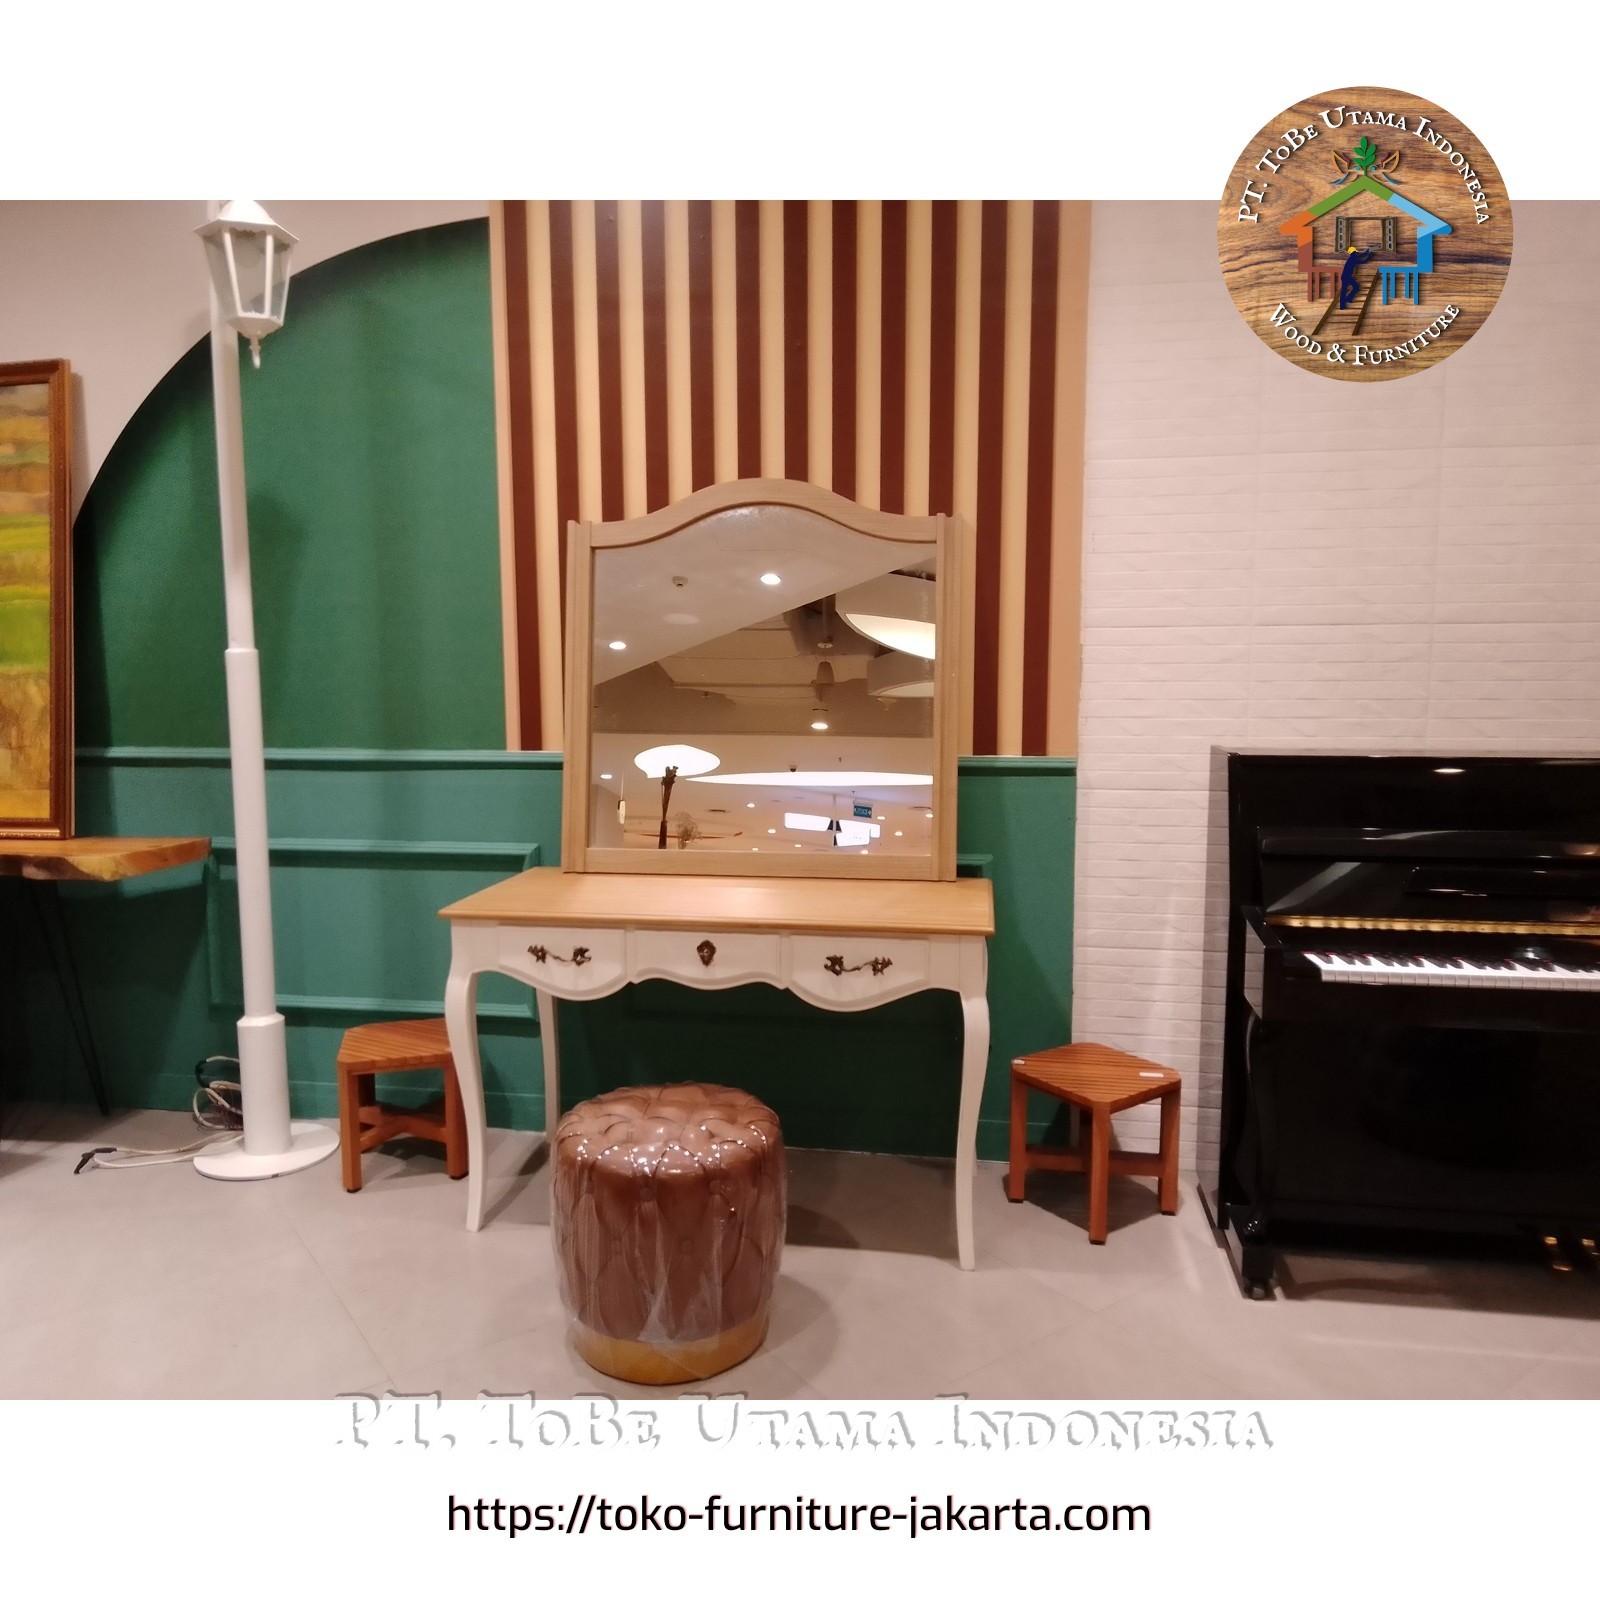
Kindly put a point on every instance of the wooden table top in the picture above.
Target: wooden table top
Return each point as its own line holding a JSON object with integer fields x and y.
{"x": 964, "y": 906}
{"x": 95, "y": 860}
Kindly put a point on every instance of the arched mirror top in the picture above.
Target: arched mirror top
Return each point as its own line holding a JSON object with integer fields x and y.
{"x": 761, "y": 680}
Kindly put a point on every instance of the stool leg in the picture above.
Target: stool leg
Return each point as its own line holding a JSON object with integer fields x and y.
{"x": 1169, "y": 1150}
{"x": 455, "y": 1127}
{"x": 1017, "y": 1177}
{"x": 350, "y": 1128}
{"x": 1099, "y": 1174}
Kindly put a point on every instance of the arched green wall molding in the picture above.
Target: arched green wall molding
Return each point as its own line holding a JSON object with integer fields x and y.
{"x": 369, "y": 441}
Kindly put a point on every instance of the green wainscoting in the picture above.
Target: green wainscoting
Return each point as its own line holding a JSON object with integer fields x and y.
{"x": 369, "y": 844}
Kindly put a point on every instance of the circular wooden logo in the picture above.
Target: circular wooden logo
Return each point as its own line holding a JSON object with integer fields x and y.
{"x": 1365, "y": 234}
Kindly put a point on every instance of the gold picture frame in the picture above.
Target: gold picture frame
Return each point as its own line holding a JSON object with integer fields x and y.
{"x": 36, "y": 755}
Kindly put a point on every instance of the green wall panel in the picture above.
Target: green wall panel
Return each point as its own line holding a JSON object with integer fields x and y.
{"x": 369, "y": 443}
{"x": 373, "y": 843}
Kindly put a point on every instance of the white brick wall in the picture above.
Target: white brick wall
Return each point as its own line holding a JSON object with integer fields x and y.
{"x": 1241, "y": 584}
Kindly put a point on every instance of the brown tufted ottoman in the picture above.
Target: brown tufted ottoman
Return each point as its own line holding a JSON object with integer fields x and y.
{"x": 668, "y": 1223}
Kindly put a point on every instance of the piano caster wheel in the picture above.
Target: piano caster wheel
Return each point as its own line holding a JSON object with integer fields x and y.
{"x": 1555, "y": 1257}
{"x": 1258, "y": 1291}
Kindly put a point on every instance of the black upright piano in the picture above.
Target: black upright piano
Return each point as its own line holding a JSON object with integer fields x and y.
{"x": 1411, "y": 1046}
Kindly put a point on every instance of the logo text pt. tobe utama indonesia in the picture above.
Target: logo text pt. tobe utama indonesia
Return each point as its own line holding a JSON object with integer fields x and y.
{"x": 1364, "y": 234}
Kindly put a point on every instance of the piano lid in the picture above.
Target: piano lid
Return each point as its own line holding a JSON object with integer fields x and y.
{"x": 1427, "y": 843}
{"x": 1414, "y": 844}
{"x": 1431, "y": 880}
{"x": 1294, "y": 752}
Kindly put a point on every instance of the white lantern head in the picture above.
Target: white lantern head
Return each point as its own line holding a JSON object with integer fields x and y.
{"x": 248, "y": 254}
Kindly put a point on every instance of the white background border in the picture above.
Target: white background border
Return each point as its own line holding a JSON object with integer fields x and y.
{"x": 824, "y": 99}
{"x": 711, "y": 98}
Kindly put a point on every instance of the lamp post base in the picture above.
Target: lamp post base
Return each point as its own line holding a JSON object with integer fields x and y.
{"x": 309, "y": 1143}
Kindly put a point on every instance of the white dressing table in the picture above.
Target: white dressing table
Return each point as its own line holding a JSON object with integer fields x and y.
{"x": 841, "y": 944}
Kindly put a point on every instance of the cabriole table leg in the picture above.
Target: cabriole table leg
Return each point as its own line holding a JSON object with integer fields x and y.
{"x": 461, "y": 1023}
{"x": 974, "y": 1067}
{"x": 550, "y": 1049}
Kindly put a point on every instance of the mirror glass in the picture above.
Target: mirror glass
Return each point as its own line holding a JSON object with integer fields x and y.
{"x": 763, "y": 682}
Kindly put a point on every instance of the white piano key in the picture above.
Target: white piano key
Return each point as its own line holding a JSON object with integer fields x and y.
{"x": 1375, "y": 968}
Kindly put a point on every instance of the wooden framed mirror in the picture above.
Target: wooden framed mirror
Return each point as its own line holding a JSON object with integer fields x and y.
{"x": 761, "y": 680}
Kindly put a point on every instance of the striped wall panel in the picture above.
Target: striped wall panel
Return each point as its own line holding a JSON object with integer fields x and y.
{"x": 918, "y": 356}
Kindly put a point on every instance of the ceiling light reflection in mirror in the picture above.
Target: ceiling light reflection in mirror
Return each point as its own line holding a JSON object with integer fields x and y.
{"x": 896, "y": 610}
{"x": 739, "y": 642}
{"x": 821, "y": 778}
{"x": 685, "y": 760}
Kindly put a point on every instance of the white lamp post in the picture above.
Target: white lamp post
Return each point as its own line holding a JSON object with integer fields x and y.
{"x": 249, "y": 258}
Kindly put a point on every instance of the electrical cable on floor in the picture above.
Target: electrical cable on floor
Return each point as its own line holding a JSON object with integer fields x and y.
{"x": 215, "y": 1107}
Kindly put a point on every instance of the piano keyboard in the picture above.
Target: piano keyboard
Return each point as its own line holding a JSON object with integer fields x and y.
{"x": 1448, "y": 972}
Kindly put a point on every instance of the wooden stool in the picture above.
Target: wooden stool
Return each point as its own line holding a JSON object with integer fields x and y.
{"x": 1099, "y": 1081}
{"x": 377, "y": 1047}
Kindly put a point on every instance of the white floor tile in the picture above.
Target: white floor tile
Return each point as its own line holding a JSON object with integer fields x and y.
{"x": 1559, "y": 1378}
{"x": 75, "y": 1243}
{"x": 1346, "y": 1328}
{"x": 1095, "y": 1359}
{"x": 1048, "y": 1234}
{"x": 421, "y": 1291}
{"x": 866, "y": 1325}
{"x": 267, "y": 1329}
{"x": 405, "y": 1183}
{"x": 159, "y": 1283}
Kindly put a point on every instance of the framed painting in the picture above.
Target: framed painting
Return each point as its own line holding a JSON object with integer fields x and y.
{"x": 35, "y": 600}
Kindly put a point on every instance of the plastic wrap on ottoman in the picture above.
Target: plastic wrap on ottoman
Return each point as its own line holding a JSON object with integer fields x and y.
{"x": 668, "y": 1220}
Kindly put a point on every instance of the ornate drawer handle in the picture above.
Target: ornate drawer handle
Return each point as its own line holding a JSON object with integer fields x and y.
{"x": 706, "y": 951}
{"x": 580, "y": 955}
{"x": 878, "y": 964}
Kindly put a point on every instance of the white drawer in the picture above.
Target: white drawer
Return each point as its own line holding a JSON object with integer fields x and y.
{"x": 706, "y": 960}
{"x": 855, "y": 970}
{"x": 566, "y": 961}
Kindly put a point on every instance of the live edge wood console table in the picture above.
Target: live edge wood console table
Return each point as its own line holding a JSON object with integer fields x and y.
{"x": 842, "y": 944}
{"x": 44, "y": 863}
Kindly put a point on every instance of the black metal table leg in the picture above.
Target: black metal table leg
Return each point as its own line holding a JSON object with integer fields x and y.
{"x": 10, "y": 995}
{"x": 53, "y": 925}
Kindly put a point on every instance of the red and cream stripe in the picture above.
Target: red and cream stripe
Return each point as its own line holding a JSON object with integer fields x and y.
{"x": 917, "y": 356}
